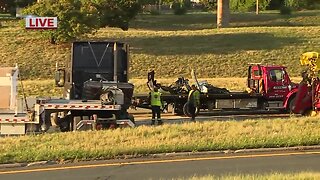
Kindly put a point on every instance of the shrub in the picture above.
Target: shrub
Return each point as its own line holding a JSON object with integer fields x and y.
{"x": 285, "y": 10}
{"x": 210, "y": 5}
{"x": 248, "y": 5}
{"x": 179, "y": 8}
{"x": 13, "y": 11}
{"x": 77, "y": 18}
{"x": 180, "y": 11}
{"x": 155, "y": 12}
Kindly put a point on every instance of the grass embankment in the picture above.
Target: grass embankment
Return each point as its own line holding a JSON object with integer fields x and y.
{"x": 167, "y": 138}
{"x": 172, "y": 44}
{"x": 271, "y": 176}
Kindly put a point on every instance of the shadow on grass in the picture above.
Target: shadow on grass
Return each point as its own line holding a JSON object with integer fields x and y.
{"x": 217, "y": 43}
{"x": 170, "y": 22}
{"x": 310, "y": 18}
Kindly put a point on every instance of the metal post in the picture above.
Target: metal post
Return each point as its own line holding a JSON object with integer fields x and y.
{"x": 128, "y": 61}
{"x": 115, "y": 63}
{"x": 94, "y": 124}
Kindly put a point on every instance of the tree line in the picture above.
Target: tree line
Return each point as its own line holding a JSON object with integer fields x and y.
{"x": 78, "y": 17}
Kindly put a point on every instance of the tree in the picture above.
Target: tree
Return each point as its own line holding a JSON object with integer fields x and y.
{"x": 116, "y": 13}
{"x": 238, "y": 5}
{"x": 223, "y": 13}
{"x": 8, "y": 6}
{"x": 74, "y": 18}
{"x": 78, "y": 17}
{"x": 299, "y": 4}
{"x": 209, "y": 4}
{"x": 248, "y": 5}
{"x": 179, "y": 7}
{"x": 294, "y": 4}
{"x": 24, "y": 3}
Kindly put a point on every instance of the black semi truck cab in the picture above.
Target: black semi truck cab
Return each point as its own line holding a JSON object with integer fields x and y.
{"x": 97, "y": 72}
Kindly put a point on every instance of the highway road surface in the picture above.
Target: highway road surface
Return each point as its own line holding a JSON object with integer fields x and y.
{"x": 143, "y": 116}
{"x": 182, "y": 167}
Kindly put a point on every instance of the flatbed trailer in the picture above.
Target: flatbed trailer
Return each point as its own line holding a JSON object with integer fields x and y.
{"x": 210, "y": 102}
{"x": 82, "y": 114}
{"x": 267, "y": 85}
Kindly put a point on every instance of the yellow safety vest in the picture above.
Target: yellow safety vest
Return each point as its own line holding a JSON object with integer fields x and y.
{"x": 194, "y": 97}
{"x": 156, "y": 99}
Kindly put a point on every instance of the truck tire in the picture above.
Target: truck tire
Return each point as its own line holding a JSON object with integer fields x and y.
{"x": 291, "y": 105}
{"x": 186, "y": 110}
{"x": 177, "y": 109}
{"x": 64, "y": 123}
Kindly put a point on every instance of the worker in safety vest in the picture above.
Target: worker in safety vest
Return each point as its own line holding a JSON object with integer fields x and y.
{"x": 193, "y": 101}
{"x": 156, "y": 104}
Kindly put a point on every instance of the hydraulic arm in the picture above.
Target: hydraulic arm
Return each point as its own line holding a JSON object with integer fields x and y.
{"x": 308, "y": 95}
{"x": 312, "y": 60}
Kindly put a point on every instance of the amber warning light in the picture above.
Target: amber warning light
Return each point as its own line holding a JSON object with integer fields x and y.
{"x": 41, "y": 22}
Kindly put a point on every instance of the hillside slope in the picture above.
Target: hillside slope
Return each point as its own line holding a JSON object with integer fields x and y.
{"x": 171, "y": 45}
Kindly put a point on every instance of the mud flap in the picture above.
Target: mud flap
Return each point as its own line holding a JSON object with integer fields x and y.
{"x": 303, "y": 99}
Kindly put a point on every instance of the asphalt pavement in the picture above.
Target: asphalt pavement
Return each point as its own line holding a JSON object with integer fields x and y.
{"x": 143, "y": 117}
{"x": 173, "y": 167}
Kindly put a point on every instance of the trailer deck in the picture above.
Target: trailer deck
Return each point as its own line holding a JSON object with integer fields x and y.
{"x": 64, "y": 104}
{"x": 232, "y": 95}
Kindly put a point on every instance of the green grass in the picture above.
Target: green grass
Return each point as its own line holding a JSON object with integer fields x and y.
{"x": 171, "y": 45}
{"x": 144, "y": 140}
{"x": 40, "y": 88}
{"x": 5, "y": 16}
{"x": 269, "y": 176}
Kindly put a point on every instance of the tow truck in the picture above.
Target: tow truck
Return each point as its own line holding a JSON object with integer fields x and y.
{"x": 305, "y": 99}
{"x": 268, "y": 87}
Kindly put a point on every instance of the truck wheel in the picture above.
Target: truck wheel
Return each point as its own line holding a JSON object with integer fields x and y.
{"x": 291, "y": 105}
{"x": 177, "y": 109}
{"x": 186, "y": 110}
{"x": 64, "y": 123}
{"x": 45, "y": 122}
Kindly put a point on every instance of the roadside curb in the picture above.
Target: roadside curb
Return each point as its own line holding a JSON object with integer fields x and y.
{"x": 14, "y": 165}
{"x": 17, "y": 165}
{"x": 295, "y": 148}
{"x": 41, "y": 163}
{"x": 176, "y": 154}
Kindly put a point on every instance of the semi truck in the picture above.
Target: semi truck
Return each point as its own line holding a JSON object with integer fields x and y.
{"x": 268, "y": 86}
{"x": 96, "y": 94}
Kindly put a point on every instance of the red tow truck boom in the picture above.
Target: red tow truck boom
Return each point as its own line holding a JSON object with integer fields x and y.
{"x": 306, "y": 97}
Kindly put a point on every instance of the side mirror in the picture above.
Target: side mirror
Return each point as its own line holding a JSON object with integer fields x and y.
{"x": 59, "y": 77}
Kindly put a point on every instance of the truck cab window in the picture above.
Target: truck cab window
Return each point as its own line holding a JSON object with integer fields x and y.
{"x": 256, "y": 73}
{"x": 276, "y": 75}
